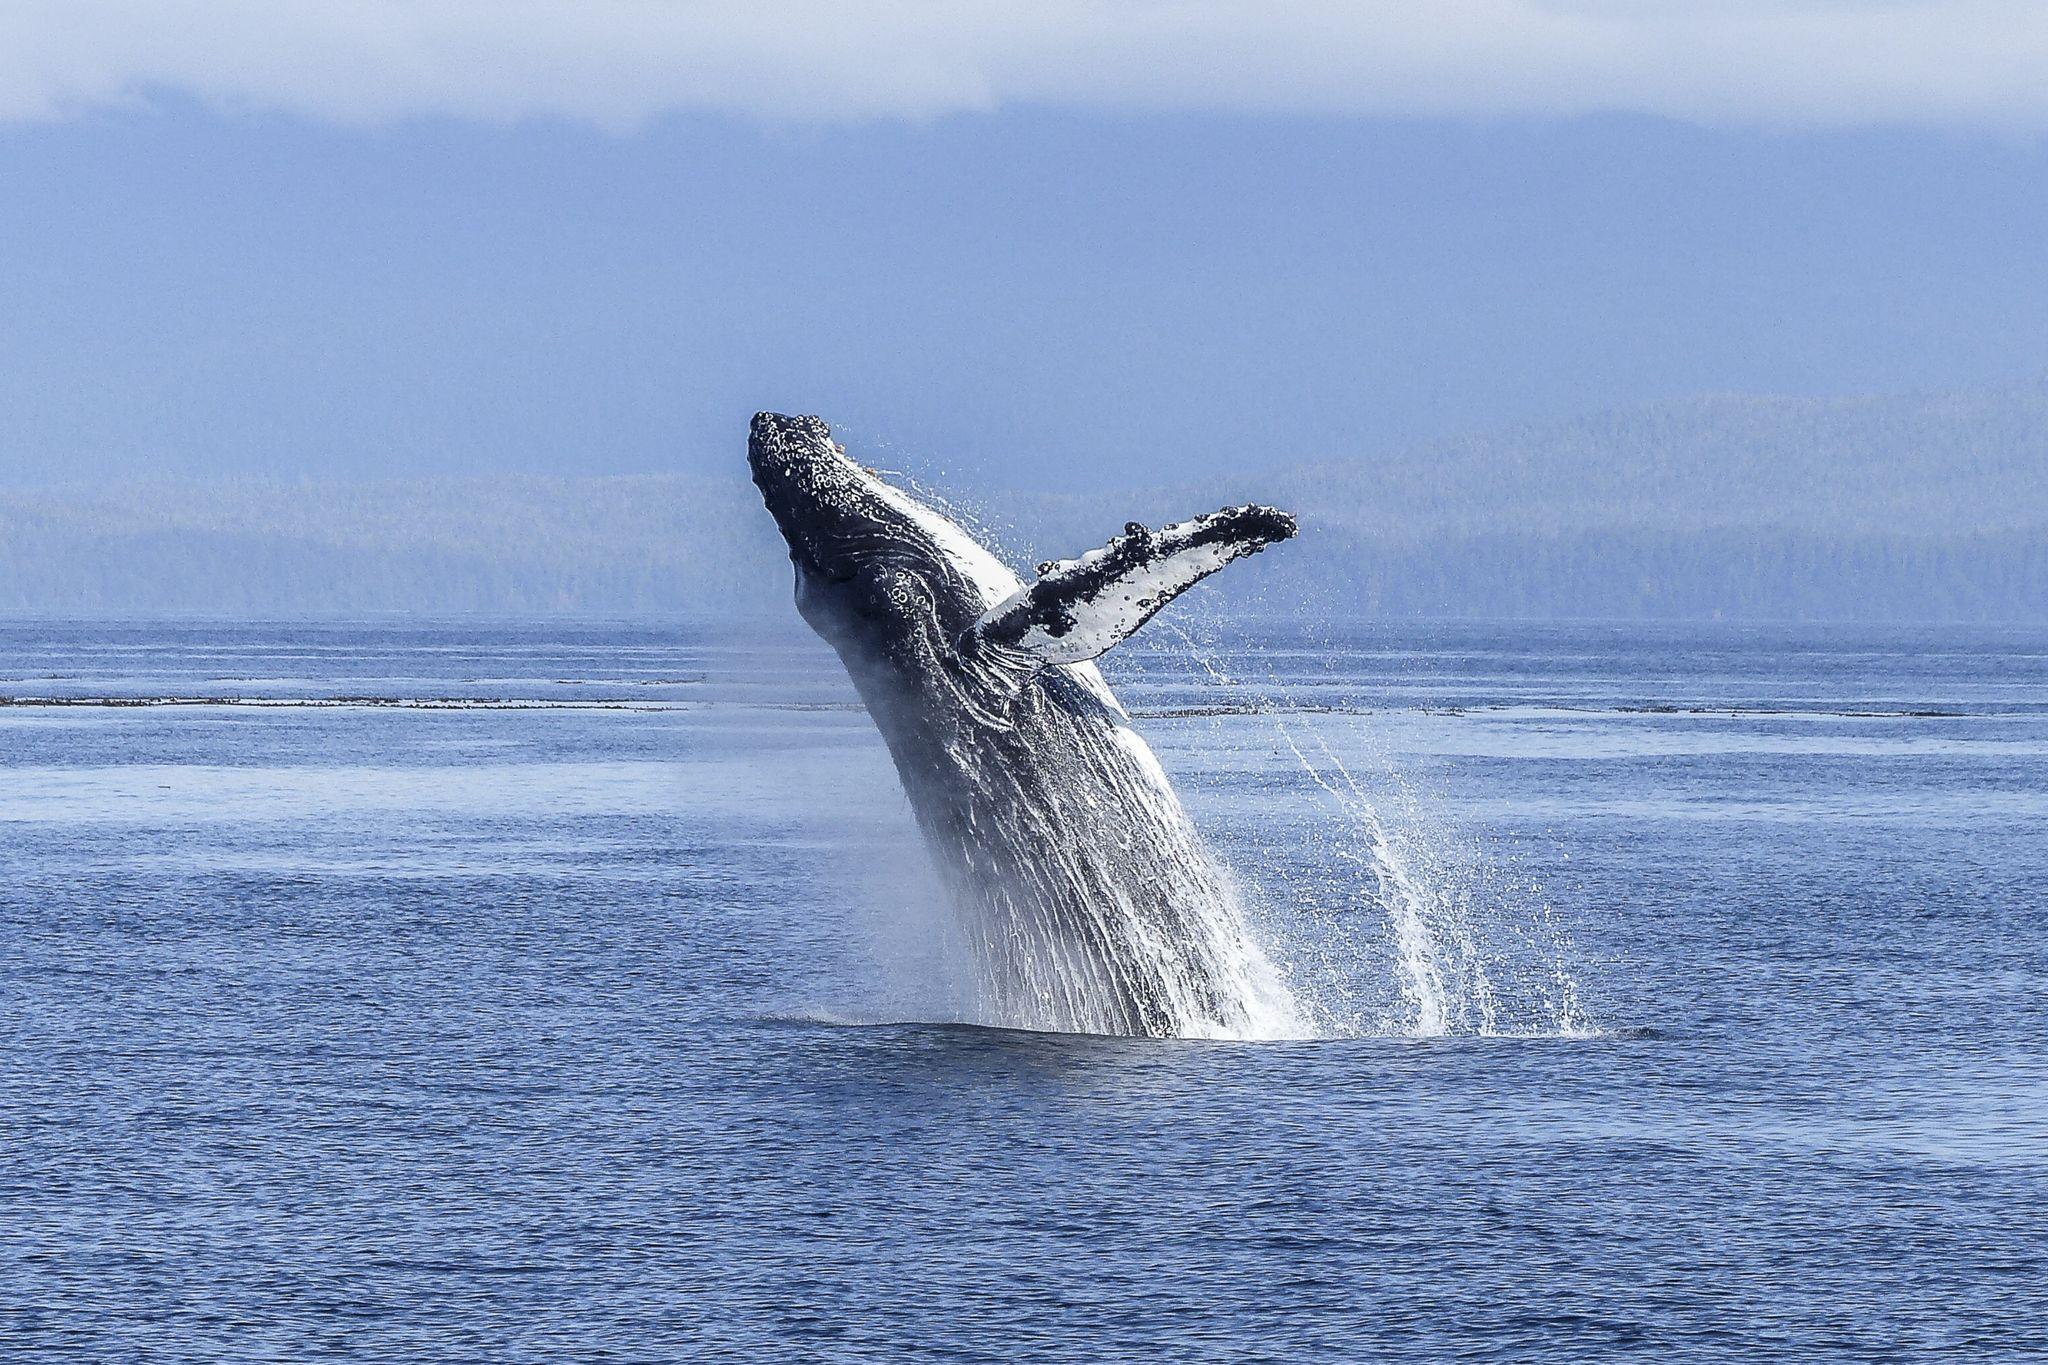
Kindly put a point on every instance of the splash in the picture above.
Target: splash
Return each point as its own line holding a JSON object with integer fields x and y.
{"x": 1084, "y": 897}
{"x": 1105, "y": 911}
{"x": 1464, "y": 949}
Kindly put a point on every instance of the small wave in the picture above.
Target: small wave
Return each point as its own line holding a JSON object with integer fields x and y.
{"x": 817, "y": 1017}
{"x": 825, "y": 1018}
{"x": 834, "y": 1019}
{"x": 1848, "y": 713}
{"x": 1277, "y": 708}
{"x": 797, "y": 705}
{"x": 393, "y": 703}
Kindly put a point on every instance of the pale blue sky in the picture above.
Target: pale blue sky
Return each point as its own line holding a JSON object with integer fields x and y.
{"x": 1074, "y": 274}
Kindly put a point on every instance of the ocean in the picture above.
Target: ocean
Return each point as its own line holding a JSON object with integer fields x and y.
{"x": 458, "y": 991}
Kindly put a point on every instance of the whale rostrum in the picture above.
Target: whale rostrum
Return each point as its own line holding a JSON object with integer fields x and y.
{"x": 1085, "y": 896}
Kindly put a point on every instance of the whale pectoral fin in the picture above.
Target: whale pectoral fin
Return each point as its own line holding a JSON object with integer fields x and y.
{"x": 1078, "y": 608}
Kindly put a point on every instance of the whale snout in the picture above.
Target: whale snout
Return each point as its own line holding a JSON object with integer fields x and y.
{"x": 779, "y": 445}
{"x": 820, "y": 499}
{"x": 792, "y": 456}
{"x": 772, "y": 427}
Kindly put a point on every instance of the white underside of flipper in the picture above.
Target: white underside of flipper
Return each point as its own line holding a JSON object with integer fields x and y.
{"x": 1079, "y": 608}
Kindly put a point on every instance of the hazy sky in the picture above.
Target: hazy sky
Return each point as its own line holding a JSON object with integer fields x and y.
{"x": 1962, "y": 62}
{"x": 1077, "y": 242}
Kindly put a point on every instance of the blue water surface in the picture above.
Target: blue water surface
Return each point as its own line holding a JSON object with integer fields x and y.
{"x": 550, "y": 991}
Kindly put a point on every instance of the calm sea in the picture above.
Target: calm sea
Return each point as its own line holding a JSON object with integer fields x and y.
{"x": 546, "y": 992}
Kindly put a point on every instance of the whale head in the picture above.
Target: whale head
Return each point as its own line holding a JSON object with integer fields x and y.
{"x": 886, "y": 578}
{"x": 875, "y": 567}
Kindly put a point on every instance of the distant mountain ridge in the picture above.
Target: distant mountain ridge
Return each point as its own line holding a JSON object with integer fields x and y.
{"x": 1929, "y": 507}
{"x": 1961, "y": 463}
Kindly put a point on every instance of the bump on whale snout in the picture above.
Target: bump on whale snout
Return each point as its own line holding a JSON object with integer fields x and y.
{"x": 775, "y": 440}
{"x": 792, "y": 459}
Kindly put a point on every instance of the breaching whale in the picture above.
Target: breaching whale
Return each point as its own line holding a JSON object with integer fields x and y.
{"x": 1088, "y": 901}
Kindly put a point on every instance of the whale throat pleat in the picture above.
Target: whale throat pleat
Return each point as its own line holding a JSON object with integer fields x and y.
{"x": 1079, "y": 608}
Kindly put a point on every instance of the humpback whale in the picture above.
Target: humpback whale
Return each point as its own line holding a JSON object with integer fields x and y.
{"x": 1087, "y": 900}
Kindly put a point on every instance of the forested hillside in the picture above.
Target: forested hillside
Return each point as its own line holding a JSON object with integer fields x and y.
{"x": 1924, "y": 508}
